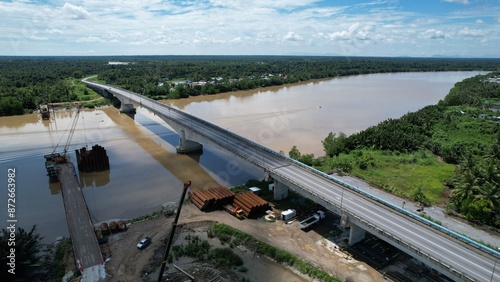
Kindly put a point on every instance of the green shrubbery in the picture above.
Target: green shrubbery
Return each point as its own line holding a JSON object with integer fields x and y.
{"x": 281, "y": 256}
{"x": 394, "y": 155}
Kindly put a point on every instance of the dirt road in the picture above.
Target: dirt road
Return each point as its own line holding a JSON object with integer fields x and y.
{"x": 127, "y": 262}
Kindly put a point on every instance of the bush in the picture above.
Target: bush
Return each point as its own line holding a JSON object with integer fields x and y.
{"x": 225, "y": 257}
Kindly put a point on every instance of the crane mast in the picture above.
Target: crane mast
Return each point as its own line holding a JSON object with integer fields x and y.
{"x": 72, "y": 130}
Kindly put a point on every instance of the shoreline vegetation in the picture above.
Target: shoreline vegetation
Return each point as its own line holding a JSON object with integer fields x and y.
{"x": 446, "y": 154}
{"x": 27, "y": 82}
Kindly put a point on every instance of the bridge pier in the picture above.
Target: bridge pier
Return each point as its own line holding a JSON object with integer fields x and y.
{"x": 280, "y": 190}
{"x": 187, "y": 146}
{"x": 356, "y": 234}
{"x": 127, "y": 105}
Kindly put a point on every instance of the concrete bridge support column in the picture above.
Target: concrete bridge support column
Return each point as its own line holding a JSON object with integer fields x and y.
{"x": 187, "y": 146}
{"x": 280, "y": 190}
{"x": 356, "y": 234}
{"x": 127, "y": 105}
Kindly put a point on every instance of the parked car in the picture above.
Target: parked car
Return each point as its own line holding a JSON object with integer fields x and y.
{"x": 144, "y": 243}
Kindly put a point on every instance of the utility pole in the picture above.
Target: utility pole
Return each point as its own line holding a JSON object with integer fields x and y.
{"x": 172, "y": 232}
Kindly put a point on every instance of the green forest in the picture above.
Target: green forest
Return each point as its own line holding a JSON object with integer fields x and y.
{"x": 26, "y": 82}
{"x": 447, "y": 154}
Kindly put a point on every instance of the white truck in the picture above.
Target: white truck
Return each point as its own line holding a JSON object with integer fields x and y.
{"x": 308, "y": 222}
{"x": 288, "y": 215}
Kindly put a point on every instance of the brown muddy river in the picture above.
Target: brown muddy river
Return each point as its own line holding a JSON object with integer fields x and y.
{"x": 144, "y": 169}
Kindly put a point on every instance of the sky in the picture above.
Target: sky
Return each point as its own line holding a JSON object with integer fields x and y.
{"x": 416, "y": 28}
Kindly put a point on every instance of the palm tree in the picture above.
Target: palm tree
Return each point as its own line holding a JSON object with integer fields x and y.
{"x": 27, "y": 254}
{"x": 490, "y": 195}
{"x": 467, "y": 186}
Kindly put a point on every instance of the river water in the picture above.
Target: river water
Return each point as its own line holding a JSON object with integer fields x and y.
{"x": 145, "y": 171}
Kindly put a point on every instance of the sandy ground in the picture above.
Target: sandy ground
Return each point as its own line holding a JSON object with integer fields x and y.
{"x": 127, "y": 263}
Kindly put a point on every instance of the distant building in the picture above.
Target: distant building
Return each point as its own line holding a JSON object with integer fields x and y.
{"x": 118, "y": 63}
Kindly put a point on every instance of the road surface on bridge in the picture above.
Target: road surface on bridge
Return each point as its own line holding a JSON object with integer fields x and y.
{"x": 474, "y": 263}
{"x": 86, "y": 248}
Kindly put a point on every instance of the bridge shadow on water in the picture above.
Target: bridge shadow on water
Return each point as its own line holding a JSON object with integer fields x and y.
{"x": 226, "y": 168}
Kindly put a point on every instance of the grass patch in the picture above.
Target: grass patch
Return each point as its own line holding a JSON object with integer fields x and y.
{"x": 430, "y": 219}
{"x": 281, "y": 256}
{"x": 83, "y": 92}
{"x": 398, "y": 173}
{"x": 144, "y": 217}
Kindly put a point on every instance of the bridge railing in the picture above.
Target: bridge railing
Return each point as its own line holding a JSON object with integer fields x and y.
{"x": 384, "y": 232}
{"x": 320, "y": 173}
{"x": 349, "y": 186}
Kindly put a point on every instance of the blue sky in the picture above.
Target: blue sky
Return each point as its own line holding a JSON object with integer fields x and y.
{"x": 426, "y": 28}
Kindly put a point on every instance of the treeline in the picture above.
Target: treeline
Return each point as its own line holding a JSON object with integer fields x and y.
{"x": 25, "y": 82}
{"x": 159, "y": 78}
{"x": 461, "y": 130}
{"x": 445, "y": 130}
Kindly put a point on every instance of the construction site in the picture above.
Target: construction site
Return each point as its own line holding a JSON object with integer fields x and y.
{"x": 87, "y": 253}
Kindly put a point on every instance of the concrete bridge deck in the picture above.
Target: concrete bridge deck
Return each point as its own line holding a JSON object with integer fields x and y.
{"x": 85, "y": 246}
{"x": 450, "y": 253}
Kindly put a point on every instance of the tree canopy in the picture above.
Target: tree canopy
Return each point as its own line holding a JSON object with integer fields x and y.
{"x": 35, "y": 80}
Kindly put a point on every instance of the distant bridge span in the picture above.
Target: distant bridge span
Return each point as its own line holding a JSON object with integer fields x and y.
{"x": 448, "y": 252}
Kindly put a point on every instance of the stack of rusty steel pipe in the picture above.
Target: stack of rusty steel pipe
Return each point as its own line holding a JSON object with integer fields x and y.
{"x": 251, "y": 204}
{"x": 211, "y": 199}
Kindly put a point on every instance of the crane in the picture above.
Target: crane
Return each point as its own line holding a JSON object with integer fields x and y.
{"x": 72, "y": 130}
{"x": 71, "y": 133}
{"x": 51, "y": 160}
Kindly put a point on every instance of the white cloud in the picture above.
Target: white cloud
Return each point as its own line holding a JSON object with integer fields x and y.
{"x": 433, "y": 34}
{"x": 90, "y": 39}
{"x": 33, "y": 37}
{"x": 75, "y": 12}
{"x": 463, "y": 2}
{"x": 114, "y": 34}
{"x": 53, "y": 30}
{"x": 380, "y": 27}
{"x": 355, "y": 32}
{"x": 292, "y": 36}
{"x": 471, "y": 32}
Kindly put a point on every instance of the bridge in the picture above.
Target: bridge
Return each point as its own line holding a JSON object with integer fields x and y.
{"x": 446, "y": 251}
{"x": 85, "y": 246}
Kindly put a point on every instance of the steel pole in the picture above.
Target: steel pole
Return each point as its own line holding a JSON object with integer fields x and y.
{"x": 172, "y": 232}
